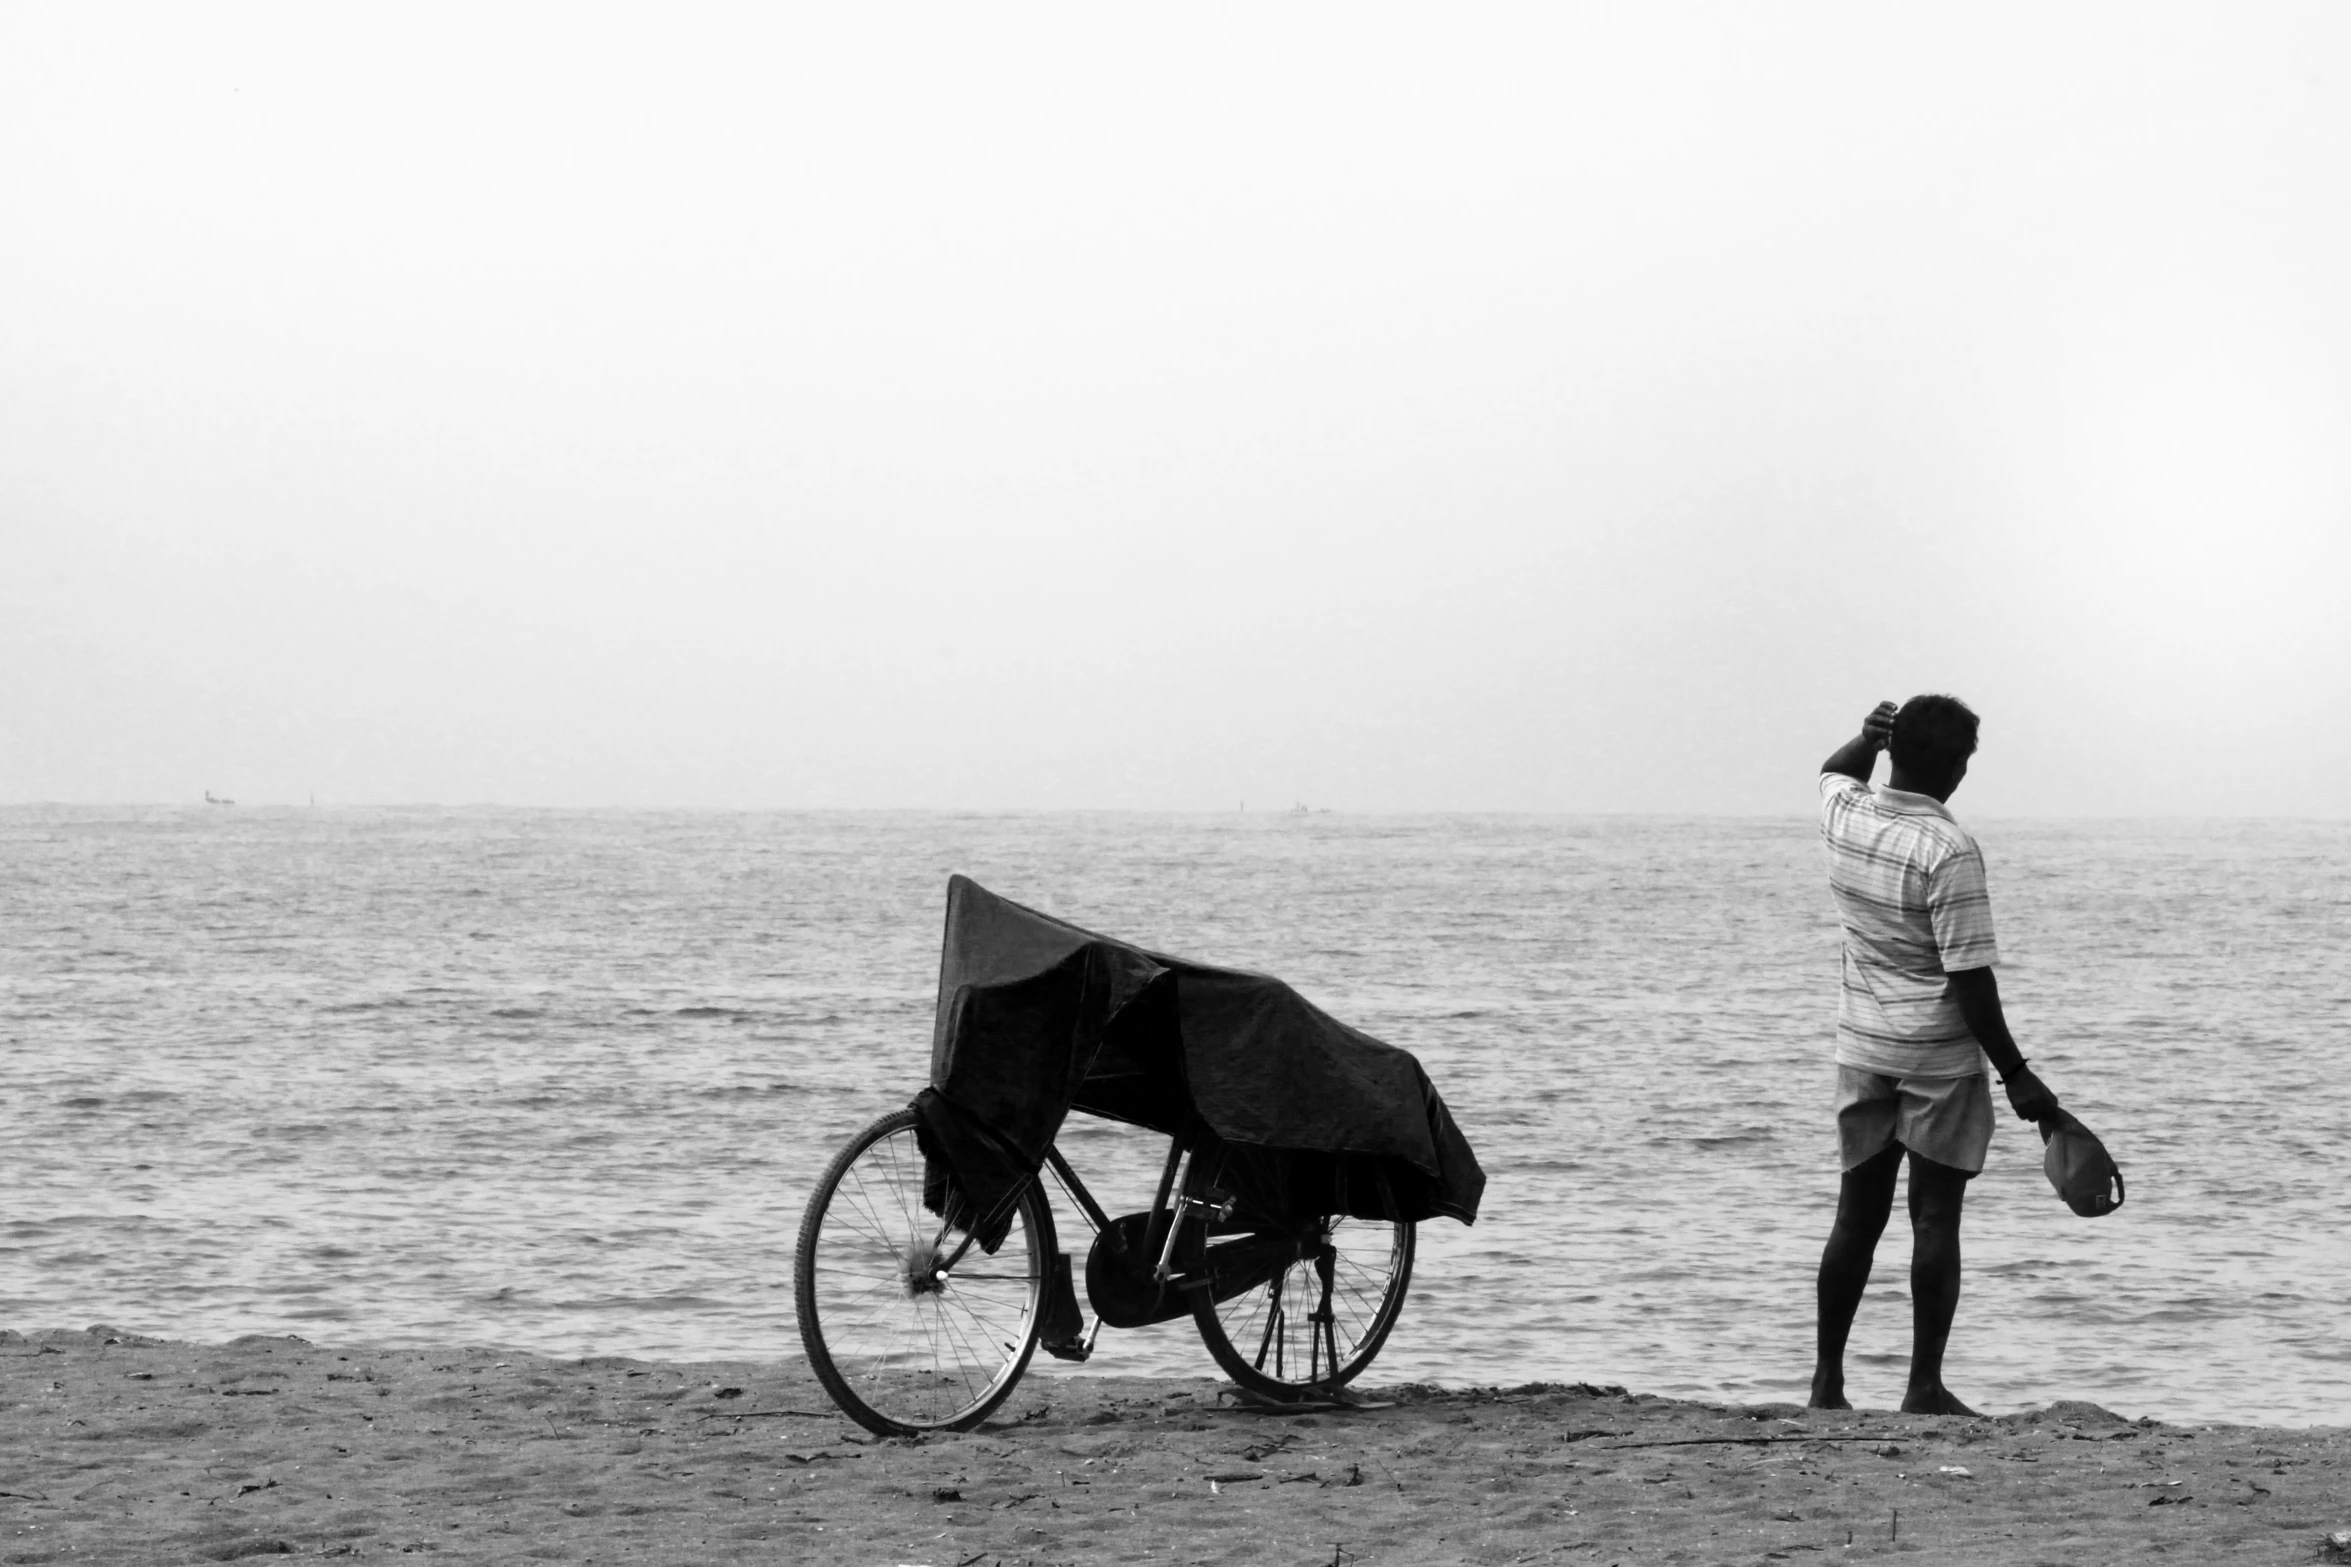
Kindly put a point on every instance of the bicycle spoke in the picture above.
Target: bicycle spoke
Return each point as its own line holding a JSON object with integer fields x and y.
{"x": 857, "y": 1218}
{"x": 898, "y": 1190}
{"x": 1366, "y": 1306}
{"x": 993, "y": 1327}
{"x": 967, "y": 1364}
{"x": 861, "y": 1206}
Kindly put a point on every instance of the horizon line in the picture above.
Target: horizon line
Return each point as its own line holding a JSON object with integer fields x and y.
{"x": 1292, "y": 812}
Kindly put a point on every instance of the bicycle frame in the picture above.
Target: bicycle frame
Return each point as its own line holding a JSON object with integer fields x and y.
{"x": 1170, "y": 1208}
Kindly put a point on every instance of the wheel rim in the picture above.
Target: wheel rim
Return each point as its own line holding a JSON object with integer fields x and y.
{"x": 916, "y": 1345}
{"x": 1275, "y": 1327}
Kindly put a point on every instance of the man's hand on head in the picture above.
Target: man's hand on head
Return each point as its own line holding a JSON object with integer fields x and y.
{"x": 1858, "y": 756}
{"x": 1878, "y": 727}
{"x": 2029, "y": 1097}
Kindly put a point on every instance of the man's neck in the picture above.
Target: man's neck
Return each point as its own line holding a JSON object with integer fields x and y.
{"x": 1939, "y": 792}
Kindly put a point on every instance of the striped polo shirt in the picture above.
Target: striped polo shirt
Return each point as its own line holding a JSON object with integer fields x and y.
{"x": 1909, "y": 885}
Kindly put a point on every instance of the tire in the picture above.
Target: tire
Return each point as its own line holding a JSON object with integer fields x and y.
{"x": 902, "y": 1348}
{"x": 1265, "y": 1338}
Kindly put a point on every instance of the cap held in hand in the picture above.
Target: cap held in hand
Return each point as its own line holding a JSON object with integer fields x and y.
{"x": 2079, "y": 1166}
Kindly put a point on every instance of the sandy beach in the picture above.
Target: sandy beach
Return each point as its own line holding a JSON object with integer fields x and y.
{"x": 119, "y": 1448}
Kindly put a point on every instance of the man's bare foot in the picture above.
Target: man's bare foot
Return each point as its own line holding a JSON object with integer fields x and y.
{"x": 1935, "y": 1401}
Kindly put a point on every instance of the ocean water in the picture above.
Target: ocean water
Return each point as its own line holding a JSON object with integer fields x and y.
{"x": 561, "y": 1081}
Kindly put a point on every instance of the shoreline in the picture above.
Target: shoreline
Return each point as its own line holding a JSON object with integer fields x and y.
{"x": 115, "y": 1447}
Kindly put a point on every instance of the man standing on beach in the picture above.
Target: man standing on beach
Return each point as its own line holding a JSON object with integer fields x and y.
{"x": 1919, "y": 1013}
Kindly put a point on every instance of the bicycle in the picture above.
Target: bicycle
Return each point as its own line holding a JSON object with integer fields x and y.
{"x": 1301, "y": 1154}
{"x": 913, "y": 1324}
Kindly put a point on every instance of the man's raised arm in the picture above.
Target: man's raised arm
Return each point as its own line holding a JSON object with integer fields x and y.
{"x": 1857, "y": 756}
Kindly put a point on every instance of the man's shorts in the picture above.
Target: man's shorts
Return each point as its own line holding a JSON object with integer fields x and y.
{"x": 1946, "y": 1119}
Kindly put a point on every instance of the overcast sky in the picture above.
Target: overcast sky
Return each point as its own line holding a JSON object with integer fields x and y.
{"x": 1405, "y": 407}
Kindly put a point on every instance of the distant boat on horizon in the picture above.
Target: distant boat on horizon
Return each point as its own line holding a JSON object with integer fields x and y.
{"x": 213, "y": 799}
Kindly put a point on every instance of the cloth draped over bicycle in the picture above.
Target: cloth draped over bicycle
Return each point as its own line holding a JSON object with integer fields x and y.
{"x": 1037, "y": 1017}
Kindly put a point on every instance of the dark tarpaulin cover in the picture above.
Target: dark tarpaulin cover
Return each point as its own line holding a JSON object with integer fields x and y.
{"x": 1037, "y": 1017}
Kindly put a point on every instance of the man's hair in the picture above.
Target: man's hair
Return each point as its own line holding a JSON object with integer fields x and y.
{"x": 1933, "y": 735}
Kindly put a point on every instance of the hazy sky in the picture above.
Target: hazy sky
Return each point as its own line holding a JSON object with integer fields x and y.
{"x": 1447, "y": 406}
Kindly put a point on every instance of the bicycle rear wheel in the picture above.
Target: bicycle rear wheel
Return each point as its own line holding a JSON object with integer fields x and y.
{"x": 907, "y": 1323}
{"x": 1320, "y": 1304}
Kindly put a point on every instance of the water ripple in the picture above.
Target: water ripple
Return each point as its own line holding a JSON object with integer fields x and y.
{"x": 562, "y": 1080}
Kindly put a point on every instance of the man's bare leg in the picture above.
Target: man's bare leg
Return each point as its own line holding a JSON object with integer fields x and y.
{"x": 1865, "y": 1198}
{"x": 1937, "y": 1192}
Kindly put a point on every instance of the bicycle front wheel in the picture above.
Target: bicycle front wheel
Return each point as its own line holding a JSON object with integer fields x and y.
{"x": 1322, "y": 1308}
{"x": 907, "y": 1323}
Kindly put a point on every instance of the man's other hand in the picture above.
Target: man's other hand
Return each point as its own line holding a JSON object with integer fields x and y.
{"x": 1878, "y": 727}
{"x": 2029, "y": 1097}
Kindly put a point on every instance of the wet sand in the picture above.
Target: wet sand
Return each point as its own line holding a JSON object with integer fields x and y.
{"x": 116, "y": 1448}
